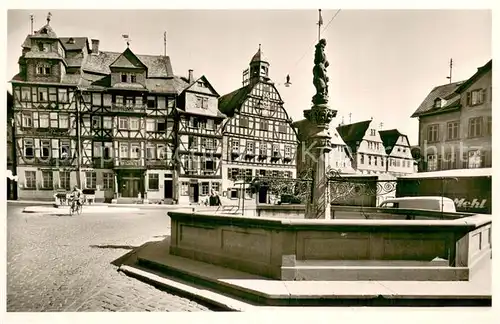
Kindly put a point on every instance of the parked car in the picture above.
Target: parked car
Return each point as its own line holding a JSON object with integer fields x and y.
{"x": 442, "y": 204}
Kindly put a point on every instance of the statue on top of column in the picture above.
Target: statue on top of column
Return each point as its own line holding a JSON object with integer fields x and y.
{"x": 320, "y": 78}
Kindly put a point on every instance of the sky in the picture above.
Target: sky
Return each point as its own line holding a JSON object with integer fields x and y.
{"x": 383, "y": 63}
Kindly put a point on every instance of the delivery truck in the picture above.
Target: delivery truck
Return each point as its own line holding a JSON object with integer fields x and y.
{"x": 470, "y": 189}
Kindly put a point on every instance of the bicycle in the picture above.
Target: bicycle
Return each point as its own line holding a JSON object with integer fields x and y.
{"x": 75, "y": 207}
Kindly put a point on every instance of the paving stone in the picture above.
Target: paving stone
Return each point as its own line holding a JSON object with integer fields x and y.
{"x": 60, "y": 263}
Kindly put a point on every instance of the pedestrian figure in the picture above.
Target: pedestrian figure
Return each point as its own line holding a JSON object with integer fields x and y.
{"x": 215, "y": 199}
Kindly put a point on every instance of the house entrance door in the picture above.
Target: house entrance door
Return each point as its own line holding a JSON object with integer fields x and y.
{"x": 130, "y": 187}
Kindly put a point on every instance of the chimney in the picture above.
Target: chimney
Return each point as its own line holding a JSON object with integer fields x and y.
{"x": 95, "y": 46}
{"x": 190, "y": 77}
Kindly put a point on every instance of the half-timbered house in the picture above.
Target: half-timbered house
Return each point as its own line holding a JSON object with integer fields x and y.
{"x": 45, "y": 115}
{"x": 101, "y": 119}
{"x": 258, "y": 139}
{"x": 199, "y": 140}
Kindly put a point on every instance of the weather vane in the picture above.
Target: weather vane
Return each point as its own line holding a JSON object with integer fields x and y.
{"x": 127, "y": 38}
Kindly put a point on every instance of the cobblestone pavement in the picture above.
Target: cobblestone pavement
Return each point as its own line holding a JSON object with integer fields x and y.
{"x": 63, "y": 263}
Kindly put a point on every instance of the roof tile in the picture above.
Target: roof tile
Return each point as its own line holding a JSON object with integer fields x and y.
{"x": 231, "y": 102}
{"x": 353, "y": 134}
{"x": 78, "y": 44}
{"x": 389, "y": 139}
{"x": 446, "y": 91}
{"x": 158, "y": 66}
{"x": 45, "y": 32}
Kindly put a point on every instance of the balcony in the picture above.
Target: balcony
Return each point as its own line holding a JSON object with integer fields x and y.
{"x": 262, "y": 155}
{"x": 287, "y": 157}
{"x": 128, "y": 109}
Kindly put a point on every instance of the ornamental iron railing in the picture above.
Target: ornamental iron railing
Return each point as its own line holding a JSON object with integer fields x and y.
{"x": 287, "y": 190}
{"x": 349, "y": 189}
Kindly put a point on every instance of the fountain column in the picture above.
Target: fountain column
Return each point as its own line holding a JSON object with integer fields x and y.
{"x": 314, "y": 140}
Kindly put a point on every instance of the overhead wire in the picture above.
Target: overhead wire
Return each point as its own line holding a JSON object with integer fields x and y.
{"x": 324, "y": 29}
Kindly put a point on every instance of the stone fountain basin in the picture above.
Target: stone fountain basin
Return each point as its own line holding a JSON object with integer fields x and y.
{"x": 337, "y": 249}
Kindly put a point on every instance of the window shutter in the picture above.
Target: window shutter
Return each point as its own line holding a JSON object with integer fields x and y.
{"x": 468, "y": 98}
{"x": 483, "y": 93}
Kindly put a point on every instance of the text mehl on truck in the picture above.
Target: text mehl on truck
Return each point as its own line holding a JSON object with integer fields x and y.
{"x": 470, "y": 189}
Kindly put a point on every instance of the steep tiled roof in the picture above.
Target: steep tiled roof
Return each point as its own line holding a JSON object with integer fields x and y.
{"x": 205, "y": 80}
{"x": 389, "y": 138}
{"x": 75, "y": 79}
{"x": 78, "y": 43}
{"x": 231, "y": 102}
{"x": 44, "y": 55}
{"x": 336, "y": 138}
{"x": 74, "y": 61}
{"x": 18, "y": 77}
{"x": 352, "y": 134}
{"x": 259, "y": 57}
{"x": 127, "y": 60}
{"x": 158, "y": 66}
{"x": 45, "y": 32}
{"x": 172, "y": 85}
{"x": 27, "y": 42}
{"x": 480, "y": 72}
{"x": 446, "y": 91}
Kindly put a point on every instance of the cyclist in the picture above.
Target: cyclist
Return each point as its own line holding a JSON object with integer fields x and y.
{"x": 77, "y": 194}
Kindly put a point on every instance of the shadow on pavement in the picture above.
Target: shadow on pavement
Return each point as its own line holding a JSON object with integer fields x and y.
{"x": 130, "y": 257}
{"x": 109, "y": 246}
{"x": 62, "y": 215}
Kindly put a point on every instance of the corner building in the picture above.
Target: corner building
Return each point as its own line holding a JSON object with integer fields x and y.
{"x": 110, "y": 119}
{"x": 258, "y": 138}
{"x": 455, "y": 124}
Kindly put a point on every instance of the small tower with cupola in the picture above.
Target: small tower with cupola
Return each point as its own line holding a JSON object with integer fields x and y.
{"x": 44, "y": 57}
{"x": 258, "y": 69}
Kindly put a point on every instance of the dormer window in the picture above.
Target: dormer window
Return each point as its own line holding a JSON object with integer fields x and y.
{"x": 44, "y": 47}
{"x": 201, "y": 102}
{"x": 129, "y": 77}
{"x": 71, "y": 41}
{"x": 437, "y": 103}
{"x": 43, "y": 69}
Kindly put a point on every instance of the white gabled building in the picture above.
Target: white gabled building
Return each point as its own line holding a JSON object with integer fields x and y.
{"x": 366, "y": 146}
{"x": 399, "y": 158}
